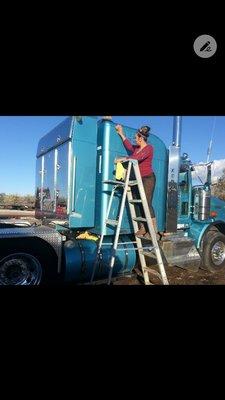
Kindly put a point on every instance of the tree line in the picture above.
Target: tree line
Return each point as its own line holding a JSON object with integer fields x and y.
{"x": 218, "y": 189}
{"x": 13, "y": 200}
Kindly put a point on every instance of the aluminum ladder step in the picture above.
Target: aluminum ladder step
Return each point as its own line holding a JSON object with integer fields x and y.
{"x": 135, "y": 201}
{"x": 147, "y": 249}
{"x": 112, "y": 222}
{"x": 149, "y": 253}
{"x": 111, "y": 182}
{"x": 121, "y": 183}
{"x": 139, "y": 219}
{"x": 153, "y": 272}
{"x": 133, "y": 183}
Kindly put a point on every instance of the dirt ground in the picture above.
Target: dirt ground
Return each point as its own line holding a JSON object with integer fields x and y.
{"x": 178, "y": 276}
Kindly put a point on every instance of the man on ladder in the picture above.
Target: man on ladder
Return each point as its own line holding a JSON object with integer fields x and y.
{"x": 149, "y": 233}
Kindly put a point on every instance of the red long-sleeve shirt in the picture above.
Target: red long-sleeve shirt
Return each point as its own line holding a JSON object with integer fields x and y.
{"x": 143, "y": 156}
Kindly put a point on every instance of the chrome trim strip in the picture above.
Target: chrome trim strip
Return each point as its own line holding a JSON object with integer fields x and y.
{"x": 73, "y": 184}
{"x": 55, "y": 178}
{"x": 70, "y": 177}
{"x": 42, "y": 181}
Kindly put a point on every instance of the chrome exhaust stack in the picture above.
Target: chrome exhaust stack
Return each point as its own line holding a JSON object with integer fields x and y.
{"x": 173, "y": 177}
{"x": 177, "y": 131}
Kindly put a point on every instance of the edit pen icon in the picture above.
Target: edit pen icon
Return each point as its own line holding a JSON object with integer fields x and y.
{"x": 205, "y": 46}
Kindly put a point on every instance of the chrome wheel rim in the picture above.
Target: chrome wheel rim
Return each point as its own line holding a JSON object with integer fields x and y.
{"x": 218, "y": 253}
{"x": 20, "y": 269}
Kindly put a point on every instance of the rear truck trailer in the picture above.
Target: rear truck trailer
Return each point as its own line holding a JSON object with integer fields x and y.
{"x": 72, "y": 163}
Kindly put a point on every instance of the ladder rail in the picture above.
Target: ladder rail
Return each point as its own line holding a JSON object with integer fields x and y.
{"x": 128, "y": 195}
{"x": 118, "y": 228}
{"x": 139, "y": 243}
{"x": 150, "y": 224}
{"x": 102, "y": 235}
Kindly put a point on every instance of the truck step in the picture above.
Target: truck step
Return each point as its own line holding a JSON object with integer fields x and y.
{"x": 192, "y": 263}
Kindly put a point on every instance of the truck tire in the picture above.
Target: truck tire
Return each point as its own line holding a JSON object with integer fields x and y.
{"x": 213, "y": 254}
{"x": 21, "y": 269}
{"x": 28, "y": 262}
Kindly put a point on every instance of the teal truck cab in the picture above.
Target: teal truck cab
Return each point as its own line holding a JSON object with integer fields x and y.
{"x": 72, "y": 164}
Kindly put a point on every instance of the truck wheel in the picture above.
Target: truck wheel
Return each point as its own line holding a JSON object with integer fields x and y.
{"x": 213, "y": 255}
{"x": 20, "y": 269}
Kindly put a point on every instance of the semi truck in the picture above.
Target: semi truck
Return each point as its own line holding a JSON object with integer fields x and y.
{"x": 73, "y": 163}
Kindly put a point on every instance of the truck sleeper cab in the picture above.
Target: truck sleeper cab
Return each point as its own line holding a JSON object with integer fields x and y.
{"x": 73, "y": 162}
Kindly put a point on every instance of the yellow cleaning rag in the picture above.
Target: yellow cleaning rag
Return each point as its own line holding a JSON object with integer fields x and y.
{"x": 120, "y": 172}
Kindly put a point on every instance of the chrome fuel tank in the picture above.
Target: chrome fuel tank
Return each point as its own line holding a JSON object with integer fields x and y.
{"x": 201, "y": 202}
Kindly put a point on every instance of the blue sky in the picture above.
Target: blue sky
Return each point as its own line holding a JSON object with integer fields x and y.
{"x": 19, "y": 137}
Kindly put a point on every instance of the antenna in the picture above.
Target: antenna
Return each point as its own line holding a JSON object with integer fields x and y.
{"x": 211, "y": 141}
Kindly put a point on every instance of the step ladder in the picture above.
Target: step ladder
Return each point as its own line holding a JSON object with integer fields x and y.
{"x": 147, "y": 251}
